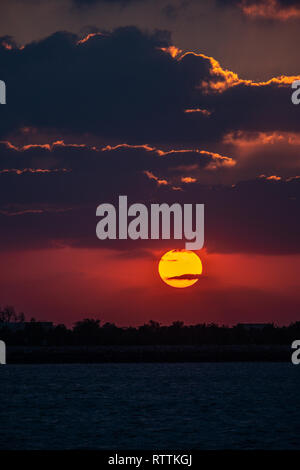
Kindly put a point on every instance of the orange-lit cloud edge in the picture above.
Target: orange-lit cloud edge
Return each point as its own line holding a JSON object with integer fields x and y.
{"x": 221, "y": 80}
{"x": 227, "y": 78}
{"x": 217, "y": 160}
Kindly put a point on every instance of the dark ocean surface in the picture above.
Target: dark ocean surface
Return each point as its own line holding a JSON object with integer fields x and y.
{"x": 150, "y": 406}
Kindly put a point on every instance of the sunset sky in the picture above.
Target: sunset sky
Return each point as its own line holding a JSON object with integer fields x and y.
{"x": 163, "y": 101}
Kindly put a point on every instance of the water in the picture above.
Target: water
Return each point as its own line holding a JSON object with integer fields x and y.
{"x": 150, "y": 406}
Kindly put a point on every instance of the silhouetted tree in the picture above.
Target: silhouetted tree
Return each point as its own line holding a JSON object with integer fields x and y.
{"x": 8, "y": 314}
{"x": 90, "y": 332}
{"x": 87, "y": 331}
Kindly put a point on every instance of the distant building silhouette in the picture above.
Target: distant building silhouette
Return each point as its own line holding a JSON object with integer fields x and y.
{"x": 20, "y": 326}
{"x": 254, "y": 326}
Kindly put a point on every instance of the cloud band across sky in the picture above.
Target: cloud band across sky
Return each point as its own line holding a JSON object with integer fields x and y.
{"x": 49, "y": 197}
{"x": 130, "y": 86}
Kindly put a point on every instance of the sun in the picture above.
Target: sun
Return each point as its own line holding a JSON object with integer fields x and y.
{"x": 180, "y": 268}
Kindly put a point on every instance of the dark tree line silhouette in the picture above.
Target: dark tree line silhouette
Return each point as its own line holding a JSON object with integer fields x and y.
{"x": 91, "y": 332}
{"x": 8, "y": 314}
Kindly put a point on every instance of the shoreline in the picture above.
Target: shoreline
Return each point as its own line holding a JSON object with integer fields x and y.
{"x": 151, "y": 353}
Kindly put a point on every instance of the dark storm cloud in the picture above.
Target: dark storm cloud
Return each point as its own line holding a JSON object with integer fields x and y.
{"x": 257, "y": 108}
{"x": 57, "y": 207}
{"x": 84, "y": 175}
{"x": 117, "y": 84}
{"x": 119, "y": 162}
{"x": 125, "y": 85}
